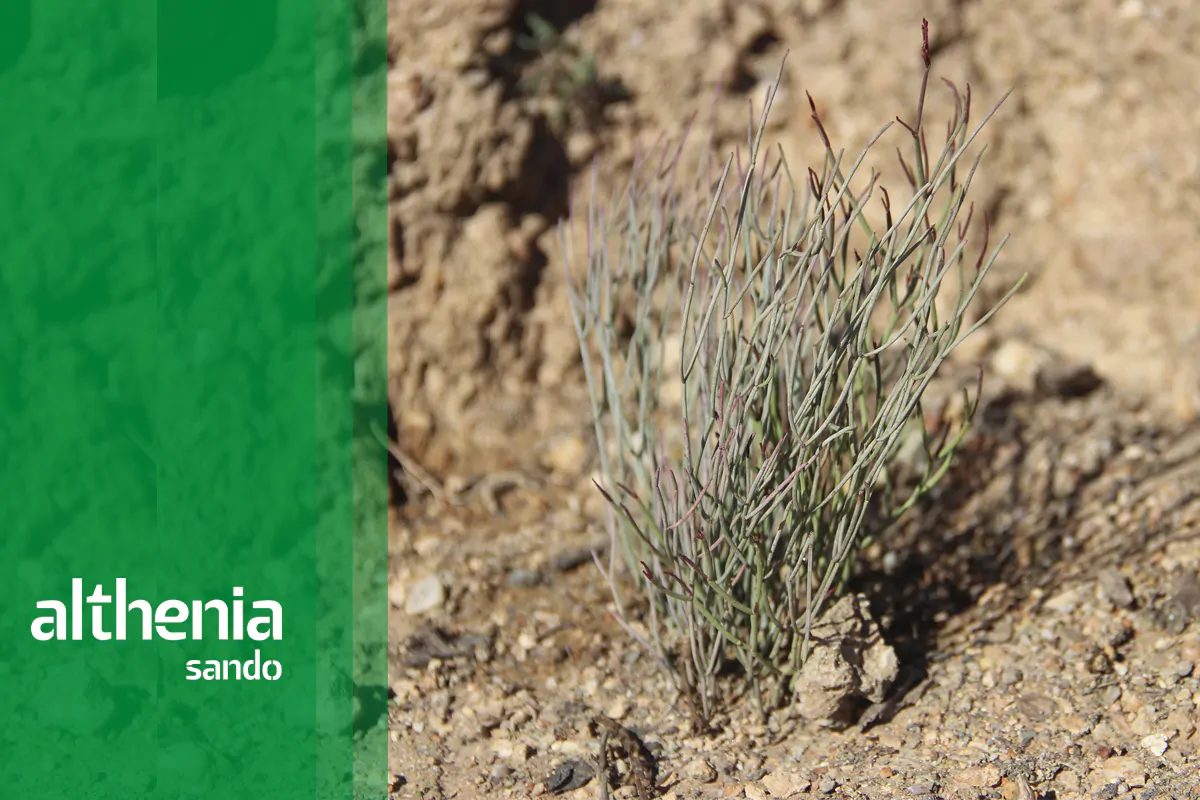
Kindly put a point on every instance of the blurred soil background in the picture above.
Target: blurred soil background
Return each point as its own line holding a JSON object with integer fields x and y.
{"x": 1044, "y": 606}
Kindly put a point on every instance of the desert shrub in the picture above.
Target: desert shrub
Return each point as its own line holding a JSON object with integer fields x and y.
{"x": 757, "y": 353}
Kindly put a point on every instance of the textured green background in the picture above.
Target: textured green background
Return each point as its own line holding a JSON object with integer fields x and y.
{"x": 191, "y": 358}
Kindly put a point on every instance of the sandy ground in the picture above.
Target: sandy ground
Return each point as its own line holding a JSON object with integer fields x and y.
{"x": 1044, "y": 606}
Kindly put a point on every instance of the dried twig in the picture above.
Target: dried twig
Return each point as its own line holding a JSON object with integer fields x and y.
{"x": 642, "y": 768}
{"x": 602, "y": 764}
{"x": 487, "y": 488}
{"x": 423, "y": 479}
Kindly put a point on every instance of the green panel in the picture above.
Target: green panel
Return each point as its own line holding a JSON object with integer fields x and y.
{"x": 190, "y": 352}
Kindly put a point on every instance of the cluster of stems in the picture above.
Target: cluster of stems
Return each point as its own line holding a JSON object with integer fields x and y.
{"x": 799, "y": 340}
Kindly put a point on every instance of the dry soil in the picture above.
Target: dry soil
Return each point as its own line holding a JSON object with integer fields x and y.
{"x": 1045, "y": 605}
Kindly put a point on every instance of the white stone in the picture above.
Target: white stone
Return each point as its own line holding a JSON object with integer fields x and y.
{"x": 1156, "y": 743}
{"x": 427, "y": 594}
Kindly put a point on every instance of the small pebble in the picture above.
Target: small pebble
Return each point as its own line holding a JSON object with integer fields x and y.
{"x": 618, "y": 709}
{"x": 827, "y": 786}
{"x": 785, "y": 784}
{"x": 921, "y": 788}
{"x": 700, "y": 770}
{"x": 1099, "y": 663}
{"x": 1068, "y": 780}
{"x": 524, "y": 578}
{"x": 1113, "y": 588}
{"x": 980, "y": 777}
{"x": 1064, "y": 602}
{"x": 755, "y": 792}
{"x": 568, "y": 776}
{"x": 1010, "y": 675}
{"x": 750, "y": 762}
{"x": 1156, "y": 744}
{"x": 1122, "y": 769}
{"x": 427, "y": 594}
{"x": 1036, "y": 707}
{"x": 1184, "y": 605}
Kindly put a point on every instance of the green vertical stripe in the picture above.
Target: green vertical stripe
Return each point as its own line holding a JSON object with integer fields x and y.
{"x": 184, "y": 294}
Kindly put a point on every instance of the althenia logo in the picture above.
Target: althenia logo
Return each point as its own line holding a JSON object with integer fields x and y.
{"x": 115, "y": 617}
